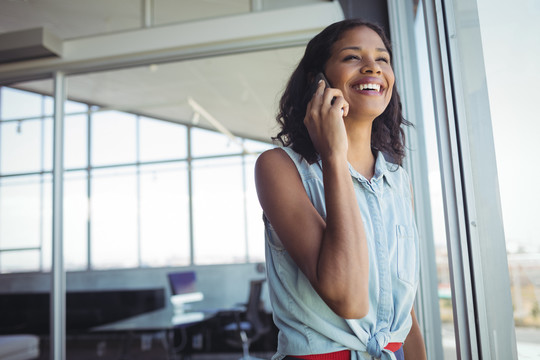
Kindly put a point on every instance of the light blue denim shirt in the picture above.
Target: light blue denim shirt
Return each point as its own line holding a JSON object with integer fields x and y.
{"x": 306, "y": 324}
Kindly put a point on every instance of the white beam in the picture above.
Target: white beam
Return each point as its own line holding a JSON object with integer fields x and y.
{"x": 58, "y": 274}
{"x": 199, "y": 110}
{"x": 231, "y": 34}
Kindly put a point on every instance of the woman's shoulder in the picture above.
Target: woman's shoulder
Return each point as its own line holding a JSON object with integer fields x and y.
{"x": 283, "y": 160}
{"x": 275, "y": 160}
{"x": 279, "y": 156}
{"x": 272, "y": 157}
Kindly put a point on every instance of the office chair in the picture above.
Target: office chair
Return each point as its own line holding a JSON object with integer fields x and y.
{"x": 248, "y": 325}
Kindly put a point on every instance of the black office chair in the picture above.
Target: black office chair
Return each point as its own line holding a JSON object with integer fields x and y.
{"x": 248, "y": 325}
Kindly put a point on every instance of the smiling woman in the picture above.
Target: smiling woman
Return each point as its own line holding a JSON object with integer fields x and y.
{"x": 340, "y": 251}
{"x": 363, "y": 70}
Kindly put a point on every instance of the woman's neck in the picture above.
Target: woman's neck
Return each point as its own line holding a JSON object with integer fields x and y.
{"x": 359, "y": 152}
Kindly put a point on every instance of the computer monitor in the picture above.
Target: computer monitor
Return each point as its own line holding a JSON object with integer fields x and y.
{"x": 183, "y": 290}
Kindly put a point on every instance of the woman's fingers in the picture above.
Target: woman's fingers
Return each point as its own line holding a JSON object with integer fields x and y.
{"x": 333, "y": 101}
{"x": 324, "y": 120}
{"x": 314, "y": 104}
{"x": 326, "y": 104}
{"x": 342, "y": 105}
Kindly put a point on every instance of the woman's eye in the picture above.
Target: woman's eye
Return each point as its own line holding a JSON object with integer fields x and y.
{"x": 384, "y": 60}
{"x": 351, "y": 57}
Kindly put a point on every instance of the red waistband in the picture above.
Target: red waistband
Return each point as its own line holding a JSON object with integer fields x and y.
{"x": 343, "y": 354}
{"x": 393, "y": 347}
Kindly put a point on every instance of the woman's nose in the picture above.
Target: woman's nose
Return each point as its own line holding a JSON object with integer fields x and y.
{"x": 370, "y": 66}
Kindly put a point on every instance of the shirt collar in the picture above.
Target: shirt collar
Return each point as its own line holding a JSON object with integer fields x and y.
{"x": 382, "y": 169}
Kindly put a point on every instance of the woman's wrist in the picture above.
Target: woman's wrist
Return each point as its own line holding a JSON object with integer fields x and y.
{"x": 334, "y": 158}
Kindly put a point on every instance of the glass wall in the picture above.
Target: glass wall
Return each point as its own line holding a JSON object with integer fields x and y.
{"x": 512, "y": 53}
{"x": 132, "y": 195}
{"x": 26, "y": 182}
{"x": 434, "y": 192}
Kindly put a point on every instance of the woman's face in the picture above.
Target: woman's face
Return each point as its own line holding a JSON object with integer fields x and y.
{"x": 360, "y": 67}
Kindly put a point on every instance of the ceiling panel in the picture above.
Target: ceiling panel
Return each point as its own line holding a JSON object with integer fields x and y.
{"x": 240, "y": 91}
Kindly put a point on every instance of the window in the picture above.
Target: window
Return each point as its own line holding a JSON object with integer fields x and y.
{"x": 164, "y": 215}
{"x": 161, "y": 140}
{"x": 208, "y": 143}
{"x": 482, "y": 307}
{"x": 113, "y": 138}
{"x": 25, "y": 203}
{"x": 76, "y": 141}
{"x": 434, "y": 194}
{"x": 218, "y": 211}
{"x": 76, "y": 218}
{"x": 22, "y": 144}
{"x": 18, "y": 104}
{"x": 127, "y": 183}
{"x": 254, "y": 223}
{"x": 515, "y": 131}
{"x": 113, "y": 218}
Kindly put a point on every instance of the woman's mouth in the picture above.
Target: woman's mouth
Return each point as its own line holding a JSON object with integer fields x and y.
{"x": 367, "y": 87}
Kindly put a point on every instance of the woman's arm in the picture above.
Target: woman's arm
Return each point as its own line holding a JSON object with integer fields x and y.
{"x": 333, "y": 254}
{"x": 414, "y": 348}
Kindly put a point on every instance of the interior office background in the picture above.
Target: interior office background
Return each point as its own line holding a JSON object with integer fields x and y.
{"x": 153, "y": 182}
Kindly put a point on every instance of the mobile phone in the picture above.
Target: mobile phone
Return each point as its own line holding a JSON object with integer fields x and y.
{"x": 315, "y": 84}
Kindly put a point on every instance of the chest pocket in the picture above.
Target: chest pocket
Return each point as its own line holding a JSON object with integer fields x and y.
{"x": 406, "y": 254}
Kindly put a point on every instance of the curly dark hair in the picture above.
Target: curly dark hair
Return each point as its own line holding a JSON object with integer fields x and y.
{"x": 387, "y": 135}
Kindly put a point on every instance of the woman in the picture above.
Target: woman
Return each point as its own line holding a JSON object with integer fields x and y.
{"x": 341, "y": 242}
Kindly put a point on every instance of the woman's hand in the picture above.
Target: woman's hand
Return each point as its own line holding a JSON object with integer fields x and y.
{"x": 324, "y": 121}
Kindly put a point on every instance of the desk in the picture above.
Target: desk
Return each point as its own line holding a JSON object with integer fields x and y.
{"x": 161, "y": 322}
{"x": 154, "y": 320}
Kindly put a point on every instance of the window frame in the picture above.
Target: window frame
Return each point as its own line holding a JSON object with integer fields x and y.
{"x": 475, "y": 237}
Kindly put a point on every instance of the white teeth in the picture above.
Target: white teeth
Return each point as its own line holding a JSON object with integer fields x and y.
{"x": 368, "y": 87}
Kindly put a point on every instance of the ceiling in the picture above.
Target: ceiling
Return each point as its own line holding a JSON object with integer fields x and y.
{"x": 240, "y": 91}
{"x": 77, "y": 18}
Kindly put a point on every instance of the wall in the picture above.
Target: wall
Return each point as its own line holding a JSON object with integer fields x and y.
{"x": 222, "y": 285}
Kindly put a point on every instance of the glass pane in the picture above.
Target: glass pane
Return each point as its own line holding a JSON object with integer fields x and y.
{"x": 257, "y": 146}
{"x": 218, "y": 211}
{"x": 435, "y": 193}
{"x": 114, "y": 241}
{"x": 19, "y": 261}
{"x": 75, "y": 220}
{"x": 70, "y": 107}
{"x": 21, "y": 201}
{"x": 164, "y": 215}
{"x": 516, "y": 129}
{"x": 18, "y": 104}
{"x": 162, "y": 140}
{"x": 206, "y": 143}
{"x": 46, "y": 223}
{"x": 113, "y": 138}
{"x": 255, "y": 225}
{"x": 48, "y": 144}
{"x": 75, "y": 139}
{"x": 20, "y": 146}
{"x": 48, "y": 106}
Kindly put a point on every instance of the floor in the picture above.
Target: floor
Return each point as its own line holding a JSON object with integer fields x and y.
{"x": 141, "y": 349}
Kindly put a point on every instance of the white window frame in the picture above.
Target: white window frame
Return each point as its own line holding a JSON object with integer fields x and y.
{"x": 483, "y": 316}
